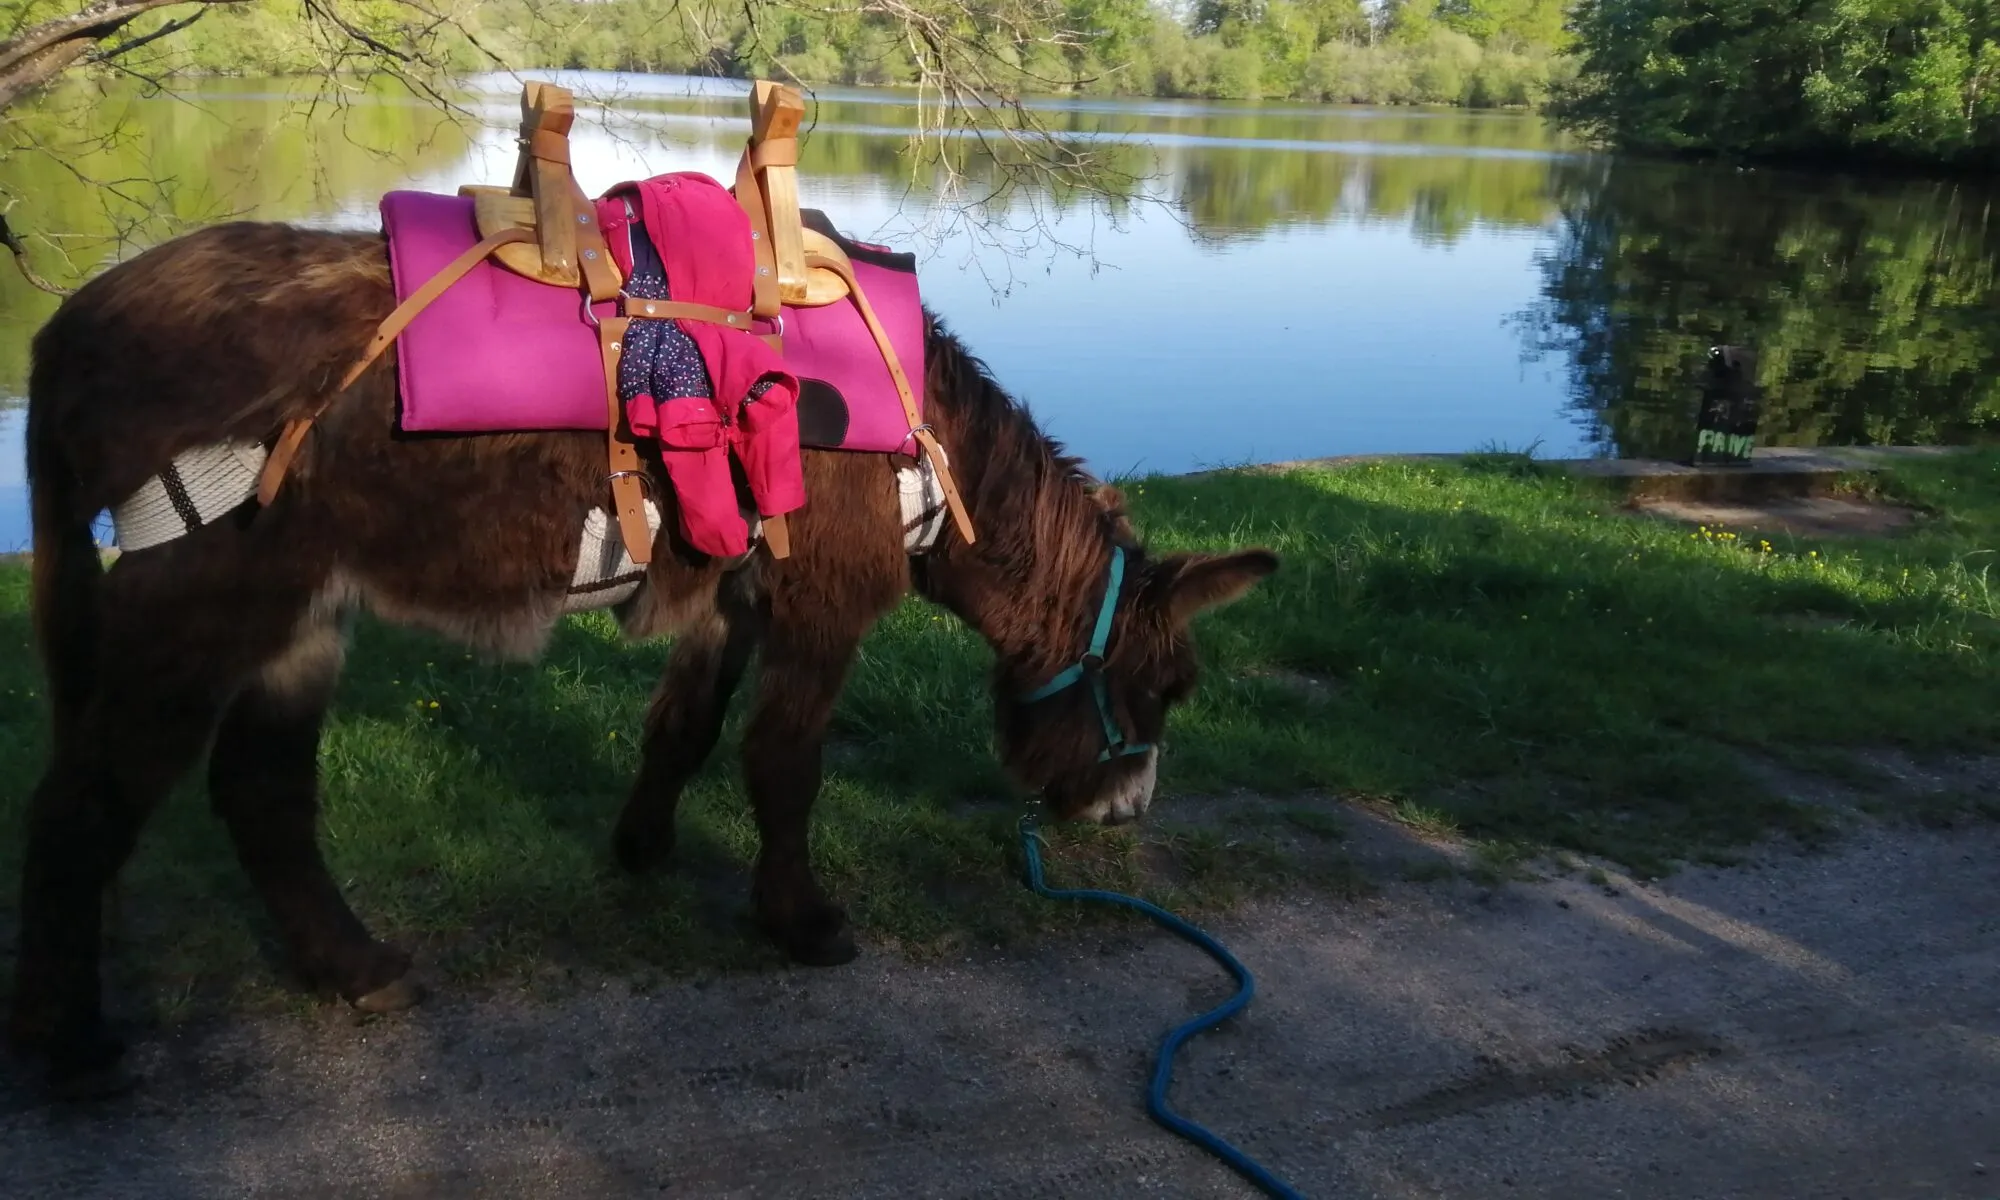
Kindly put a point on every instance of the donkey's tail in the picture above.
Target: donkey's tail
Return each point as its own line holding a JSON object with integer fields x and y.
{"x": 66, "y": 564}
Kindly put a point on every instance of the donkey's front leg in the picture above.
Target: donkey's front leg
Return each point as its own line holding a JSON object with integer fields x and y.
{"x": 682, "y": 728}
{"x": 802, "y": 673}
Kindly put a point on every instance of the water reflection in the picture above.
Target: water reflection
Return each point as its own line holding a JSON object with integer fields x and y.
{"x": 13, "y": 480}
{"x": 104, "y": 170}
{"x": 1872, "y": 304}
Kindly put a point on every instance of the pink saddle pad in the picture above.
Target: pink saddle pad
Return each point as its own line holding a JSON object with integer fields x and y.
{"x": 498, "y": 351}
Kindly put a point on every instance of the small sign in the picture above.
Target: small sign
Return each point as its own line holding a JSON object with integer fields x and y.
{"x": 1726, "y": 429}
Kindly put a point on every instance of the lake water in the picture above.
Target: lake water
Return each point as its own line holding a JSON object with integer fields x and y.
{"x": 1273, "y": 281}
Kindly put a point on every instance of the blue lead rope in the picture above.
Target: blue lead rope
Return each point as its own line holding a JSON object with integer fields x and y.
{"x": 1163, "y": 1070}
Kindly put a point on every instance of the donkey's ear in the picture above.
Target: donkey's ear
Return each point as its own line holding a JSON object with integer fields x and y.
{"x": 1205, "y": 581}
{"x": 1112, "y": 501}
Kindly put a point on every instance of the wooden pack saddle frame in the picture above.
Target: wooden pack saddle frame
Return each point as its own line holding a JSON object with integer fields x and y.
{"x": 544, "y": 228}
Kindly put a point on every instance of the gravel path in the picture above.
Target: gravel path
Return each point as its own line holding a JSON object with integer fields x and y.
{"x": 1820, "y": 1026}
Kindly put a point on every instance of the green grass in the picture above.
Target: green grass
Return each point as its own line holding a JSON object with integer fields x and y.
{"x": 1505, "y": 658}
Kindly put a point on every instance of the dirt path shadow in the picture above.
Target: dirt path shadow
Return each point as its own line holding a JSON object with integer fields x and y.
{"x": 1804, "y": 1026}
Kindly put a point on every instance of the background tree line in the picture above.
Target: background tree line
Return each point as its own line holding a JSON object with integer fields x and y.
{"x": 1471, "y": 52}
{"x": 1913, "y": 82}
{"x": 1909, "y": 81}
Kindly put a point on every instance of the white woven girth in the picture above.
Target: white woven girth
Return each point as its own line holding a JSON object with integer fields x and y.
{"x": 198, "y": 486}
{"x": 204, "y": 483}
{"x": 921, "y": 498}
{"x": 605, "y": 573}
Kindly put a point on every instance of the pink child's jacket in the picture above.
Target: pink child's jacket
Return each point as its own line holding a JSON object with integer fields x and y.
{"x": 703, "y": 239}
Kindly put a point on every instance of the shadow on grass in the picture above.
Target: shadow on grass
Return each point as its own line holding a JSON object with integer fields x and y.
{"x": 1484, "y": 646}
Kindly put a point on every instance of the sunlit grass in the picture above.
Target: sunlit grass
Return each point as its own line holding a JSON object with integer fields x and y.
{"x": 1493, "y": 653}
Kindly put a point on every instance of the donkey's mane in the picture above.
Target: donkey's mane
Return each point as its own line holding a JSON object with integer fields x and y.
{"x": 1043, "y": 520}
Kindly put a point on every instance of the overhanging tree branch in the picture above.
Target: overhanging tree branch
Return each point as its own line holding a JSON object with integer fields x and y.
{"x": 93, "y": 23}
{"x": 33, "y": 58}
{"x": 971, "y": 61}
{"x": 131, "y": 44}
{"x": 12, "y": 241}
{"x": 359, "y": 35}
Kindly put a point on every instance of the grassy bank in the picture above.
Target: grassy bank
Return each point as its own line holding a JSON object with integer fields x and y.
{"x": 1479, "y": 647}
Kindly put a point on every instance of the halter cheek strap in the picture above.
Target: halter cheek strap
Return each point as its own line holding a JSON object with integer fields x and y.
{"x": 1091, "y": 666}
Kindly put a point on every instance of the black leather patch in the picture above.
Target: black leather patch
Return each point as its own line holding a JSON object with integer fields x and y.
{"x": 822, "y": 414}
{"x": 904, "y": 261}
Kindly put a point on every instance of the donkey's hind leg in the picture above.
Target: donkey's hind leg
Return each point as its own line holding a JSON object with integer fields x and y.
{"x": 804, "y": 666}
{"x": 263, "y": 780}
{"x": 682, "y": 727}
{"x": 83, "y": 822}
{"x": 167, "y": 663}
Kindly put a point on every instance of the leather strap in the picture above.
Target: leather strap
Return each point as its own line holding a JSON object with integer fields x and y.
{"x": 778, "y": 536}
{"x": 959, "y": 516}
{"x": 687, "y": 311}
{"x": 628, "y": 493}
{"x": 775, "y": 152}
{"x": 287, "y": 446}
{"x": 400, "y": 317}
{"x": 600, "y": 271}
{"x": 764, "y": 283}
{"x": 549, "y": 146}
{"x": 841, "y": 267}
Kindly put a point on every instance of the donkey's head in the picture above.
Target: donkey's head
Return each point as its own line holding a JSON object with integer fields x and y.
{"x": 1087, "y": 737}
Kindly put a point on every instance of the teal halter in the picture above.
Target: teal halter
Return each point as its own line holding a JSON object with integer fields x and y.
{"x": 1091, "y": 666}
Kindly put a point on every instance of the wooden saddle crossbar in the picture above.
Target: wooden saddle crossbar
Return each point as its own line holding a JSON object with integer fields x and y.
{"x": 545, "y": 228}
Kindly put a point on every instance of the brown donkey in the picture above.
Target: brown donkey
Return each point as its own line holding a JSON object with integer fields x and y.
{"x": 236, "y": 630}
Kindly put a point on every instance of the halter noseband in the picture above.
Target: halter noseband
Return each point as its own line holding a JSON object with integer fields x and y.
{"x": 1091, "y": 666}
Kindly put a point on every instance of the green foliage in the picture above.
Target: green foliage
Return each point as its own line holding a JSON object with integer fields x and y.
{"x": 1325, "y": 51}
{"x": 282, "y": 37}
{"x": 1915, "y": 81}
{"x": 1874, "y": 309}
{"x": 1500, "y": 22}
{"x": 1480, "y": 53}
{"x": 88, "y": 170}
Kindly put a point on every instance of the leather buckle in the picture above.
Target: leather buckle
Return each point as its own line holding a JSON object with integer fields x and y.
{"x": 645, "y": 481}
{"x": 925, "y": 427}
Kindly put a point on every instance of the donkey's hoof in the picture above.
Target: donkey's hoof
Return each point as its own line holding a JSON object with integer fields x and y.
{"x": 640, "y": 850}
{"x": 836, "y": 949}
{"x": 395, "y": 996}
{"x": 91, "y": 1067}
{"x": 821, "y": 938}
